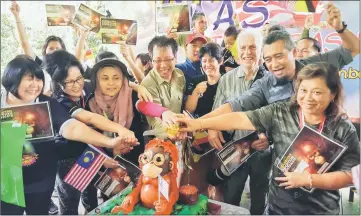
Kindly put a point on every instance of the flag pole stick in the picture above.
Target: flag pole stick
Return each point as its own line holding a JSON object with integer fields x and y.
{"x": 105, "y": 155}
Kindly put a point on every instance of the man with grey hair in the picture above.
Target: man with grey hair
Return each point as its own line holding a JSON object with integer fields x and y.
{"x": 278, "y": 53}
{"x": 234, "y": 83}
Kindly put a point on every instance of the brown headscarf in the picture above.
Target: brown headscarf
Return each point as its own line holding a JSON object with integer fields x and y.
{"x": 121, "y": 105}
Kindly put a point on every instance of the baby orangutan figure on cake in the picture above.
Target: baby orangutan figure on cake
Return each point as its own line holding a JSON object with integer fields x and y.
{"x": 160, "y": 158}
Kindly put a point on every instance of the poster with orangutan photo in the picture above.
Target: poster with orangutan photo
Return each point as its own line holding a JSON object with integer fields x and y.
{"x": 36, "y": 116}
{"x": 310, "y": 152}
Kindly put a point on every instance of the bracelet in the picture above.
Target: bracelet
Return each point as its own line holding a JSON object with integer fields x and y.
{"x": 310, "y": 179}
{"x": 19, "y": 22}
{"x": 201, "y": 124}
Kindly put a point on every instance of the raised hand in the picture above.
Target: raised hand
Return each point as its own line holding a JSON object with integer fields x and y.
{"x": 201, "y": 88}
{"x": 334, "y": 18}
{"x": 14, "y": 8}
{"x": 309, "y": 21}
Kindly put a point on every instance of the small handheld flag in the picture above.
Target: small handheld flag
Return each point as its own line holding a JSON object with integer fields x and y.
{"x": 84, "y": 170}
{"x": 163, "y": 188}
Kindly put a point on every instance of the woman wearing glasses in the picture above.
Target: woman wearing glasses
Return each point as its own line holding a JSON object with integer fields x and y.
{"x": 70, "y": 90}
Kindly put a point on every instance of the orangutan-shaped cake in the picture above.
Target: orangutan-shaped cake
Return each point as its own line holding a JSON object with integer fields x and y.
{"x": 159, "y": 159}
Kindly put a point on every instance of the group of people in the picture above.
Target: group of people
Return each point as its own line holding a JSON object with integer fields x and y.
{"x": 271, "y": 85}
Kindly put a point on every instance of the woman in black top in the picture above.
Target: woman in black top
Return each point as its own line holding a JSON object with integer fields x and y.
{"x": 202, "y": 89}
{"x": 23, "y": 81}
{"x": 70, "y": 90}
{"x": 201, "y": 93}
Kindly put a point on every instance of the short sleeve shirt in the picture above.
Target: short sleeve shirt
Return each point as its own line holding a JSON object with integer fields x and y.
{"x": 167, "y": 94}
{"x": 283, "y": 124}
{"x": 74, "y": 149}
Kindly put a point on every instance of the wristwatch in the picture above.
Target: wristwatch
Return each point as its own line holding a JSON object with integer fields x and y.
{"x": 343, "y": 28}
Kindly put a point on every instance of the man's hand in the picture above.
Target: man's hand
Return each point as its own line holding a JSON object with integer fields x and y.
{"x": 309, "y": 21}
{"x": 262, "y": 143}
{"x": 171, "y": 34}
{"x": 144, "y": 95}
{"x": 334, "y": 18}
{"x": 15, "y": 9}
{"x": 168, "y": 117}
{"x": 216, "y": 139}
{"x": 110, "y": 163}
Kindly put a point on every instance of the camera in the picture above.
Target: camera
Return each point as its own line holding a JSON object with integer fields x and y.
{"x": 216, "y": 177}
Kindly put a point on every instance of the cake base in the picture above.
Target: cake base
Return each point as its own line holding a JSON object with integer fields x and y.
{"x": 200, "y": 208}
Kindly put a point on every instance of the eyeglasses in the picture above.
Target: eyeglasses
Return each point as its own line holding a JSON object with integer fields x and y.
{"x": 167, "y": 61}
{"x": 70, "y": 84}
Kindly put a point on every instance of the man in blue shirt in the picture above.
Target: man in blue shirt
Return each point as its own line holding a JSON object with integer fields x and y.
{"x": 192, "y": 66}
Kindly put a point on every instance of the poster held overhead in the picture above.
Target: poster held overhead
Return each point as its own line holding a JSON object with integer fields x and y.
{"x": 88, "y": 18}
{"x": 59, "y": 15}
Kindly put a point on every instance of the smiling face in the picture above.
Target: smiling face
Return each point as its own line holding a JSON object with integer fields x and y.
{"x": 279, "y": 60}
{"x": 248, "y": 52}
{"x": 200, "y": 25}
{"x": 53, "y": 46}
{"x": 164, "y": 61}
{"x": 193, "y": 48}
{"x": 30, "y": 88}
{"x": 304, "y": 49}
{"x": 229, "y": 41}
{"x": 210, "y": 65}
{"x": 110, "y": 80}
{"x": 314, "y": 96}
{"x": 74, "y": 82}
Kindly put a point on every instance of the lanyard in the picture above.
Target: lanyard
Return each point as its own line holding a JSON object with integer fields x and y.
{"x": 302, "y": 120}
{"x": 82, "y": 101}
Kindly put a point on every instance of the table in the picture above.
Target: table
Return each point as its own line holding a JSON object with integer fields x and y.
{"x": 227, "y": 209}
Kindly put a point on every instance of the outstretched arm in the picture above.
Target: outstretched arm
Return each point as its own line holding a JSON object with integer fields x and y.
{"x": 15, "y": 10}
{"x": 349, "y": 39}
{"x": 229, "y": 121}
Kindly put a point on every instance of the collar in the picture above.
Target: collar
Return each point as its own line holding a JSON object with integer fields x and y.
{"x": 175, "y": 75}
{"x": 241, "y": 74}
{"x": 188, "y": 61}
{"x": 299, "y": 65}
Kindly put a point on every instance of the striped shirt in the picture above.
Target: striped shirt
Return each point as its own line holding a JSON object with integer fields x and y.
{"x": 283, "y": 123}
{"x": 233, "y": 84}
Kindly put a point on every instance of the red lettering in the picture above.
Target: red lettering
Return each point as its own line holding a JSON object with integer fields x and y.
{"x": 333, "y": 39}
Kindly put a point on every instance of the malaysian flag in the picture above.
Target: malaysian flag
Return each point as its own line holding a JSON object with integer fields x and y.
{"x": 84, "y": 170}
